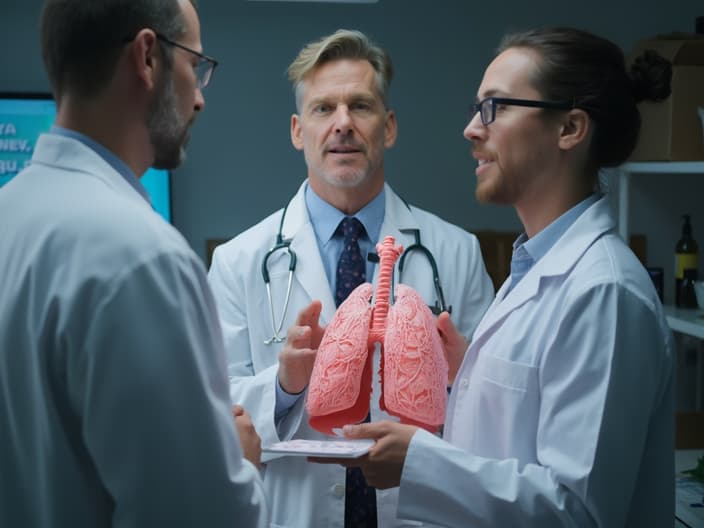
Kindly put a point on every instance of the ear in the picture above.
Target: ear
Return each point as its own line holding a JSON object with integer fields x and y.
{"x": 145, "y": 58}
{"x": 574, "y": 129}
{"x": 390, "y": 129}
{"x": 296, "y": 132}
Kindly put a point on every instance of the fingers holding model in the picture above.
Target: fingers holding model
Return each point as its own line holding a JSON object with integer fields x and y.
{"x": 454, "y": 345}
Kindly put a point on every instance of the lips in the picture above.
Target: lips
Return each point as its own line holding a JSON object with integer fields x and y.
{"x": 484, "y": 162}
{"x": 481, "y": 157}
{"x": 343, "y": 149}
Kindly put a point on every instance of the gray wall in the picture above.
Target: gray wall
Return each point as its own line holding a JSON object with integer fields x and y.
{"x": 242, "y": 166}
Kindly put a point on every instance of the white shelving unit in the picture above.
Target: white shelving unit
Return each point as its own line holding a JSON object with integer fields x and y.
{"x": 689, "y": 322}
{"x": 647, "y": 167}
{"x": 686, "y": 321}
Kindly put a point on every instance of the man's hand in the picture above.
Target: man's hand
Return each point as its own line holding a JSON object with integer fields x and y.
{"x": 383, "y": 465}
{"x": 249, "y": 439}
{"x": 298, "y": 355}
{"x": 454, "y": 344}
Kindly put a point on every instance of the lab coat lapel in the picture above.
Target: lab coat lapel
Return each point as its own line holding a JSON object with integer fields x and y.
{"x": 561, "y": 258}
{"x": 310, "y": 272}
{"x": 398, "y": 221}
{"x": 506, "y": 302}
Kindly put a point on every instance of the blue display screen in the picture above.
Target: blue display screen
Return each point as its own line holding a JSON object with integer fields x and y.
{"x": 24, "y": 116}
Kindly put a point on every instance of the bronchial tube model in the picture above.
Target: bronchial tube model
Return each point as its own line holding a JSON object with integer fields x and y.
{"x": 413, "y": 366}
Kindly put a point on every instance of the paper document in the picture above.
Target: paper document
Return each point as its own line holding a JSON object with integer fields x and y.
{"x": 321, "y": 448}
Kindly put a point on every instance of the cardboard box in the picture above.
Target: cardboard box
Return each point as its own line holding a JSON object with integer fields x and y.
{"x": 672, "y": 129}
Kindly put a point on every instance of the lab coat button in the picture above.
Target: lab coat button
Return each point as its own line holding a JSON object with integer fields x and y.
{"x": 338, "y": 490}
{"x": 464, "y": 383}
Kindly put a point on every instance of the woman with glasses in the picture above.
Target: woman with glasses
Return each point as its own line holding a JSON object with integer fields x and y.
{"x": 561, "y": 410}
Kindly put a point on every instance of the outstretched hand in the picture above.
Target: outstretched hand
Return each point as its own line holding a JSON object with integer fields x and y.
{"x": 383, "y": 465}
{"x": 454, "y": 344}
{"x": 298, "y": 354}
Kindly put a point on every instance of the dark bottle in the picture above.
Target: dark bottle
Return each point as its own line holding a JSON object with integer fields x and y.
{"x": 686, "y": 257}
{"x": 688, "y": 297}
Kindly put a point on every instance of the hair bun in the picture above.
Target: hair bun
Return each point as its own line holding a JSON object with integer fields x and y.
{"x": 650, "y": 77}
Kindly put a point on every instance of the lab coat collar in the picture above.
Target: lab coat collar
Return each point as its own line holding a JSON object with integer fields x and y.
{"x": 71, "y": 154}
{"x": 399, "y": 222}
{"x": 397, "y": 215}
{"x": 398, "y": 219}
{"x": 559, "y": 260}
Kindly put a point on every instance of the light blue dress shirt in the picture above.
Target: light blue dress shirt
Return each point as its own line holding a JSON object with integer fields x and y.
{"x": 325, "y": 218}
{"x": 526, "y": 252}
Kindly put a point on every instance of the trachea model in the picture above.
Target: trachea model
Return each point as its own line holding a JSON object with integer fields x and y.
{"x": 413, "y": 365}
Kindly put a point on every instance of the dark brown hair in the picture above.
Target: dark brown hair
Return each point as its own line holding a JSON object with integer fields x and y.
{"x": 590, "y": 72}
{"x": 82, "y": 39}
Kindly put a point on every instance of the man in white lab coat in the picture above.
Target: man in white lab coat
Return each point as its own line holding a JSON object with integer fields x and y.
{"x": 561, "y": 411}
{"x": 114, "y": 407}
{"x": 343, "y": 126}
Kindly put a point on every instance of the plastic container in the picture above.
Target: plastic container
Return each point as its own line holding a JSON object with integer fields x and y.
{"x": 699, "y": 293}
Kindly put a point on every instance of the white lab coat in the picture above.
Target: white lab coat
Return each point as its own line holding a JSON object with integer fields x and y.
{"x": 562, "y": 411}
{"x": 114, "y": 407}
{"x": 302, "y": 494}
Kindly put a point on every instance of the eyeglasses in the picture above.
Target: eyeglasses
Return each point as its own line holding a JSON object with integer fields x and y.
{"x": 487, "y": 107}
{"x": 205, "y": 66}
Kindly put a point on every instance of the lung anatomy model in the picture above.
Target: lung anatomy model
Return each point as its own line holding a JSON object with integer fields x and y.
{"x": 413, "y": 365}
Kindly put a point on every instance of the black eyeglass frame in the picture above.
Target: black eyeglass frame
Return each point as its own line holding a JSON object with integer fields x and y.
{"x": 207, "y": 75}
{"x": 493, "y": 101}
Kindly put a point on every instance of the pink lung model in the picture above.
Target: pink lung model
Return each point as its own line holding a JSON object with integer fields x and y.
{"x": 413, "y": 366}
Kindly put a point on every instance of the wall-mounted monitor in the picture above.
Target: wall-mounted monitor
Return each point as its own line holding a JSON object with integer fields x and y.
{"x": 23, "y": 116}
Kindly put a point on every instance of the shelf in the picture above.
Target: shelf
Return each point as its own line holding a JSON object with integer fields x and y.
{"x": 646, "y": 167}
{"x": 664, "y": 167}
{"x": 686, "y": 321}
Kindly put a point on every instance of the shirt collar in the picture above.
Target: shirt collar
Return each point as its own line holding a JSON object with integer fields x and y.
{"x": 325, "y": 217}
{"x": 110, "y": 158}
{"x": 542, "y": 242}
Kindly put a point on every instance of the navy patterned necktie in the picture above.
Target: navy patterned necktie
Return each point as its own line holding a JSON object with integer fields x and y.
{"x": 351, "y": 266}
{"x": 360, "y": 499}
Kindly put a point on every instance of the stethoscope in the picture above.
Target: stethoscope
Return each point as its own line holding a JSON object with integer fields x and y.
{"x": 279, "y": 244}
{"x": 284, "y": 244}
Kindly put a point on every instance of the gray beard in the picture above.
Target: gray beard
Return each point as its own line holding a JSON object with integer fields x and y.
{"x": 167, "y": 128}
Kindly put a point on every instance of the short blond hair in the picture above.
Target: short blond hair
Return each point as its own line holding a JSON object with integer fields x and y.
{"x": 343, "y": 44}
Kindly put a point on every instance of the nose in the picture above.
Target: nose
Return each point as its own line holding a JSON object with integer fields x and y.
{"x": 474, "y": 130}
{"x": 343, "y": 120}
{"x": 199, "y": 103}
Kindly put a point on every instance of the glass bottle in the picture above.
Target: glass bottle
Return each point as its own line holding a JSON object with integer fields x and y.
{"x": 686, "y": 257}
{"x": 688, "y": 297}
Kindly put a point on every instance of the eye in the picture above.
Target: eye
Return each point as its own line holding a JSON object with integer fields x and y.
{"x": 199, "y": 65}
{"x": 361, "y": 106}
{"x": 321, "y": 109}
